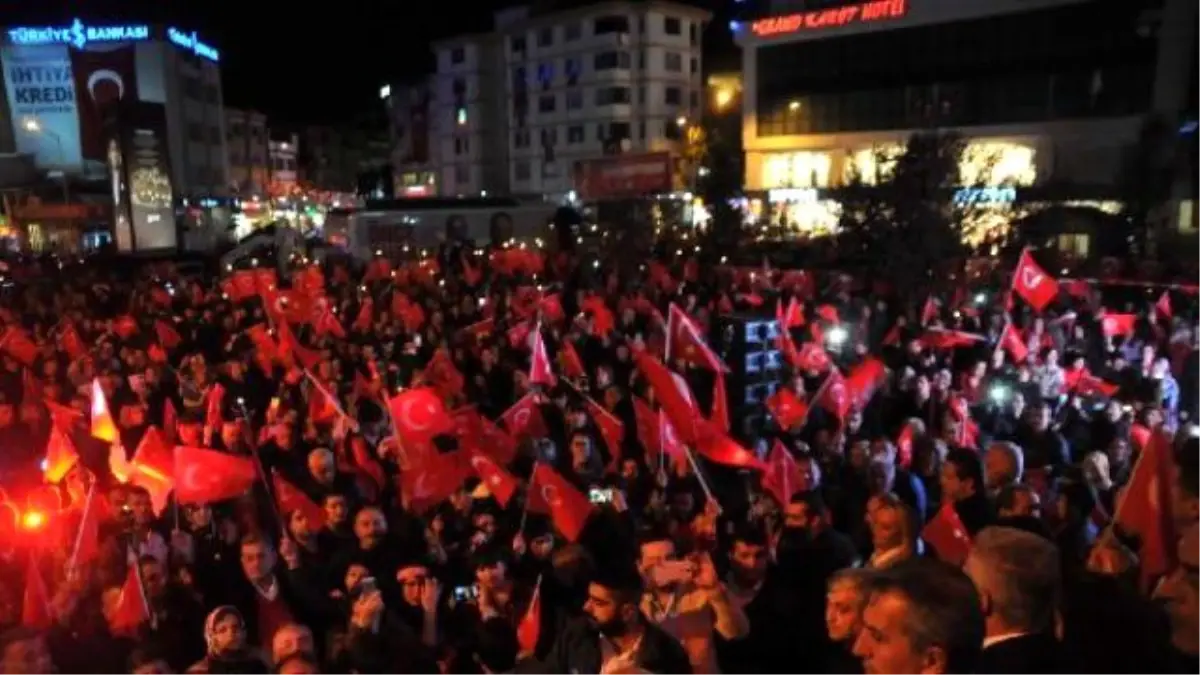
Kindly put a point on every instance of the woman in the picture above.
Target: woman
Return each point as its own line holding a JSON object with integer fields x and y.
{"x": 225, "y": 640}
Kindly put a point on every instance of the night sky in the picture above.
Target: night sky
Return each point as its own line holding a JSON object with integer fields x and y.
{"x": 304, "y": 66}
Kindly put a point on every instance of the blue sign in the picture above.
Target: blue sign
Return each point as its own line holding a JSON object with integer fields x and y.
{"x": 190, "y": 42}
{"x": 973, "y": 196}
{"x": 77, "y": 34}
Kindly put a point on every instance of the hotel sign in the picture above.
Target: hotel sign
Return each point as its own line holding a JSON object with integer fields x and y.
{"x": 864, "y": 12}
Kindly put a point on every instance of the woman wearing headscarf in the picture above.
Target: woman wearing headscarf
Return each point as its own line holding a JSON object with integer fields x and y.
{"x": 225, "y": 641}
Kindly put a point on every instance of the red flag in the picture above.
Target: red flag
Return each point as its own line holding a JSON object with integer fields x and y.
{"x": 1011, "y": 342}
{"x": 832, "y": 395}
{"x": 17, "y": 344}
{"x": 1163, "y": 305}
{"x": 569, "y": 361}
{"x": 35, "y": 605}
{"x": 720, "y": 404}
{"x": 524, "y": 419}
{"x": 647, "y": 427}
{"x": 530, "y": 627}
{"x": 437, "y": 478}
{"x": 1032, "y": 283}
{"x": 786, "y": 408}
{"x": 170, "y": 420}
{"x": 125, "y": 326}
{"x": 290, "y": 498}
{"x": 611, "y": 428}
{"x": 947, "y": 535}
{"x": 132, "y": 609}
{"x": 1144, "y": 508}
{"x": 103, "y": 426}
{"x": 551, "y": 493}
{"x": 60, "y": 456}
{"x": 668, "y": 441}
{"x": 685, "y": 342}
{"x": 87, "y": 540}
{"x": 499, "y": 482}
{"x": 813, "y": 357}
{"x": 782, "y": 476}
{"x": 476, "y": 431}
{"x": 904, "y": 447}
{"x": 213, "y": 403}
{"x": 203, "y": 476}
{"x": 366, "y": 312}
{"x": 71, "y": 343}
{"x": 929, "y": 311}
{"x": 1140, "y": 435}
{"x": 167, "y": 334}
{"x": 539, "y": 362}
{"x": 935, "y": 338}
{"x": 419, "y": 414}
{"x": 792, "y": 317}
{"x": 675, "y": 404}
{"x": 1118, "y": 325}
{"x": 720, "y": 448}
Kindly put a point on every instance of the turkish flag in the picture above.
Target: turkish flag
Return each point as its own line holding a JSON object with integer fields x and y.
{"x": 792, "y": 317}
{"x": 603, "y": 320}
{"x": 204, "y": 476}
{"x": 132, "y": 610}
{"x": 214, "y": 402}
{"x": 530, "y": 627}
{"x": 833, "y": 396}
{"x": 35, "y": 604}
{"x": 1144, "y": 508}
{"x": 103, "y": 426}
{"x": 550, "y": 493}
{"x": 1011, "y": 342}
{"x": 443, "y": 374}
{"x": 674, "y": 400}
{"x": 947, "y": 535}
{"x": 1163, "y": 305}
{"x": 366, "y": 315}
{"x": 125, "y": 326}
{"x": 782, "y": 476}
{"x": 647, "y": 427}
{"x": 539, "y": 362}
{"x": 524, "y": 419}
{"x": 71, "y": 343}
{"x": 569, "y": 361}
{"x": 929, "y": 311}
{"x": 87, "y": 539}
{"x": 935, "y": 338}
{"x": 718, "y": 447}
{"x": 1090, "y": 385}
{"x": 290, "y": 498}
{"x": 167, "y": 334}
{"x": 904, "y": 447}
{"x": 434, "y": 481}
{"x": 419, "y": 414}
{"x": 1118, "y": 325}
{"x": 499, "y": 482}
{"x": 1032, "y": 283}
{"x": 786, "y": 408}
{"x": 685, "y": 342}
{"x": 476, "y": 431}
{"x": 813, "y": 357}
{"x": 154, "y": 457}
{"x": 1140, "y": 435}
{"x": 611, "y": 428}
{"x": 60, "y": 455}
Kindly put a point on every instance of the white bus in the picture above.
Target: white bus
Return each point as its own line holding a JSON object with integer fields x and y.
{"x": 391, "y": 225}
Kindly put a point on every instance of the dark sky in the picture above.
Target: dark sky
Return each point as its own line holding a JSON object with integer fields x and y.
{"x": 302, "y": 65}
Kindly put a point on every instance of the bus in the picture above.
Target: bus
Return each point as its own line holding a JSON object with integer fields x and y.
{"x": 397, "y": 226}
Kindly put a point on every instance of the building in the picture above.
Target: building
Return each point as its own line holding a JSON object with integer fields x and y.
{"x": 518, "y": 109}
{"x": 324, "y": 160}
{"x": 282, "y": 150}
{"x": 413, "y": 162}
{"x": 134, "y": 106}
{"x": 1050, "y": 93}
{"x": 249, "y": 158}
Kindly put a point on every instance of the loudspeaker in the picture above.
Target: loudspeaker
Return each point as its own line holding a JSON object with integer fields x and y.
{"x": 747, "y": 344}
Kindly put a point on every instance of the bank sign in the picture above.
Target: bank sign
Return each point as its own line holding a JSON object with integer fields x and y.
{"x": 78, "y": 34}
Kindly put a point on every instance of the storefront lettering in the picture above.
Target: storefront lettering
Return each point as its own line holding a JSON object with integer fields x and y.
{"x": 77, "y": 34}
{"x": 866, "y": 12}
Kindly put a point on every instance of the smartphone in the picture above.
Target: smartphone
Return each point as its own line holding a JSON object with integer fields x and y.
{"x": 367, "y": 585}
{"x": 673, "y": 572}
{"x": 465, "y": 593}
{"x": 600, "y": 495}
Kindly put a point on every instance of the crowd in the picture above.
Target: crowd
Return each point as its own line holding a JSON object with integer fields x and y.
{"x": 498, "y": 461}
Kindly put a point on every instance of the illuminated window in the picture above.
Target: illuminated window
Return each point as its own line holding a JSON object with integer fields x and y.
{"x": 796, "y": 169}
{"x": 997, "y": 163}
{"x": 461, "y": 116}
{"x": 871, "y": 165}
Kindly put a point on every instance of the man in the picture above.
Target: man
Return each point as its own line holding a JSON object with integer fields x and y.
{"x": 1003, "y": 463}
{"x": 687, "y": 599}
{"x": 268, "y": 600}
{"x": 1179, "y": 593}
{"x": 844, "y": 603}
{"x": 615, "y": 637}
{"x": 921, "y": 617}
{"x": 893, "y": 531}
{"x": 1018, "y": 577}
{"x": 962, "y": 485}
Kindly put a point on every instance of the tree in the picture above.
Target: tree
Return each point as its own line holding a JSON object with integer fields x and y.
{"x": 1150, "y": 168}
{"x": 904, "y": 224}
{"x": 721, "y": 178}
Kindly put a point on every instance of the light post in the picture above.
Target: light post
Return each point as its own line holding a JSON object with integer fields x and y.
{"x": 33, "y": 126}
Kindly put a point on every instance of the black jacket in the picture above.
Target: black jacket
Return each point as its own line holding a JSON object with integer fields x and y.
{"x": 577, "y": 650}
{"x": 1034, "y": 653}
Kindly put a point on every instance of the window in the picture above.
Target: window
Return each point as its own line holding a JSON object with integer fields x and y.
{"x": 545, "y": 37}
{"x": 672, "y": 62}
{"x": 571, "y": 69}
{"x": 612, "y": 95}
{"x": 546, "y": 103}
{"x": 458, "y": 87}
{"x": 462, "y": 174}
{"x": 604, "y": 25}
{"x": 694, "y": 65}
{"x": 672, "y": 26}
{"x": 549, "y": 136}
{"x": 641, "y": 93}
{"x": 642, "y": 58}
{"x": 642, "y": 130}
{"x": 672, "y": 96}
{"x": 693, "y": 99}
{"x": 545, "y": 74}
{"x": 574, "y": 99}
{"x": 575, "y": 134}
{"x": 517, "y": 44}
{"x": 672, "y": 130}
{"x": 457, "y": 56}
{"x": 572, "y": 31}
{"x": 611, "y": 60}
{"x": 518, "y": 77}
{"x": 521, "y": 138}
{"x": 521, "y": 170}
{"x": 693, "y": 34}
{"x": 462, "y": 145}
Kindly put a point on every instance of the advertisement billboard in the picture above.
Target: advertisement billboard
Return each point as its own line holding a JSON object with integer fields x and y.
{"x": 624, "y": 176}
{"x": 58, "y": 97}
{"x": 143, "y": 175}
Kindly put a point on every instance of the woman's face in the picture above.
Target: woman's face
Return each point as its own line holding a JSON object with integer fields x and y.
{"x": 228, "y": 635}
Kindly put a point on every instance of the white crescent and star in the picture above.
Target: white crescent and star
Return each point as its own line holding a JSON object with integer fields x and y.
{"x": 407, "y": 417}
{"x": 105, "y": 75}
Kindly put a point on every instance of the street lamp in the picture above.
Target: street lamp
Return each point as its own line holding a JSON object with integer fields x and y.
{"x": 33, "y": 126}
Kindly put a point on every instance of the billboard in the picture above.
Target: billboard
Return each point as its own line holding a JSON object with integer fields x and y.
{"x": 58, "y": 97}
{"x": 144, "y": 193}
{"x": 624, "y": 176}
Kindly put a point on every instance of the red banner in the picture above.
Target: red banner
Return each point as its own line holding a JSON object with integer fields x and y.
{"x": 623, "y": 176}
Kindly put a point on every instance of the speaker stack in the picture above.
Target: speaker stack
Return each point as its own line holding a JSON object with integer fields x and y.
{"x": 747, "y": 344}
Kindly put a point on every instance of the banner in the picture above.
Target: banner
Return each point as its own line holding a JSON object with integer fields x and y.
{"x": 41, "y": 100}
{"x": 105, "y": 77}
{"x": 149, "y": 190}
{"x": 624, "y": 176}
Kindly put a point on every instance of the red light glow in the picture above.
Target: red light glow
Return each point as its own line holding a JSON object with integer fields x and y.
{"x": 866, "y": 12}
{"x": 33, "y": 520}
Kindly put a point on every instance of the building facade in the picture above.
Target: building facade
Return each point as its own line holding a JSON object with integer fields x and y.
{"x": 517, "y": 109}
{"x": 282, "y": 150}
{"x": 247, "y": 140}
{"x": 134, "y": 105}
{"x": 1046, "y": 91}
{"x": 412, "y": 149}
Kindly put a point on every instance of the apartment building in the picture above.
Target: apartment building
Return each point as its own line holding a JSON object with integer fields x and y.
{"x": 247, "y": 140}
{"x": 515, "y": 110}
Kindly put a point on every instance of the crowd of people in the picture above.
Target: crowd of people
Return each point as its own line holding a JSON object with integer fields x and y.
{"x": 497, "y": 461}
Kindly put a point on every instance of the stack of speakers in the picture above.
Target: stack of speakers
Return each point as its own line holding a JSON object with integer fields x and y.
{"x": 748, "y": 345}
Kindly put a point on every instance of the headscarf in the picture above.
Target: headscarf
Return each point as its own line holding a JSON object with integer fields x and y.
{"x": 210, "y": 626}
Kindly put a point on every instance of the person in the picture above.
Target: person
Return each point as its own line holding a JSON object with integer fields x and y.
{"x": 1017, "y": 575}
{"x": 1179, "y": 594}
{"x": 893, "y": 531}
{"x": 23, "y": 650}
{"x": 225, "y": 640}
{"x": 844, "y": 603}
{"x": 922, "y": 616}
{"x": 1003, "y": 463}
{"x": 963, "y": 485}
{"x": 615, "y": 637}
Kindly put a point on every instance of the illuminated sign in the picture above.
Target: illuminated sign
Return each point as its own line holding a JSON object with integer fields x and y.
{"x": 979, "y": 196}
{"x": 865, "y": 12}
{"x": 190, "y": 42}
{"x": 385, "y": 91}
{"x": 77, "y": 34}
